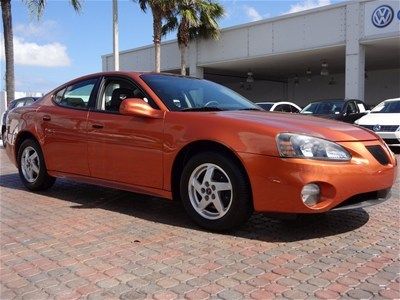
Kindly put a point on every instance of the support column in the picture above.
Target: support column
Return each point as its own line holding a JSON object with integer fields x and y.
{"x": 355, "y": 54}
{"x": 194, "y": 70}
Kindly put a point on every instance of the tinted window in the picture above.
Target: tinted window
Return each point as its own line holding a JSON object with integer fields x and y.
{"x": 76, "y": 95}
{"x": 266, "y": 106}
{"x": 115, "y": 91}
{"x": 19, "y": 103}
{"x": 294, "y": 109}
{"x": 284, "y": 108}
{"x": 183, "y": 93}
{"x": 351, "y": 108}
{"x": 29, "y": 101}
{"x": 387, "y": 107}
{"x": 324, "y": 108}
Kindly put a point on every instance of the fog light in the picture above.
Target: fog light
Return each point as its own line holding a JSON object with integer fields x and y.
{"x": 310, "y": 194}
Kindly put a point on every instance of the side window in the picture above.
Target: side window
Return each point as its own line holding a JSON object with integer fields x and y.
{"x": 76, "y": 95}
{"x": 29, "y": 101}
{"x": 19, "y": 103}
{"x": 117, "y": 90}
{"x": 286, "y": 108}
{"x": 351, "y": 108}
{"x": 294, "y": 109}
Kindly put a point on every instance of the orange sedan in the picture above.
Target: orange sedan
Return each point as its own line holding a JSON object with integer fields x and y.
{"x": 199, "y": 142}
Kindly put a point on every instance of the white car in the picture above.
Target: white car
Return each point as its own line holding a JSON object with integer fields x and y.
{"x": 280, "y": 106}
{"x": 384, "y": 119}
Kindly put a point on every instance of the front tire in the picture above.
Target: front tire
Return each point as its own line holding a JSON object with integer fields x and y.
{"x": 215, "y": 192}
{"x": 32, "y": 167}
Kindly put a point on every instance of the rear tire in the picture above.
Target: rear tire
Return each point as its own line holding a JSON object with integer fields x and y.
{"x": 215, "y": 192}
{"x": 32, "y": 167}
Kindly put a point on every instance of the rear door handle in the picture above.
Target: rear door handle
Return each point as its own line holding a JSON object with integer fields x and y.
{"x": 46, "y": 118}
{"x": 97, "y": 126}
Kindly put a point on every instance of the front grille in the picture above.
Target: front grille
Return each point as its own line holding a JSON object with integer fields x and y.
{"x": 379, "y": 154}
{"x": 391, "y": 141}
{"x": 364, "y": 199}
{"x": 382, "y": 128}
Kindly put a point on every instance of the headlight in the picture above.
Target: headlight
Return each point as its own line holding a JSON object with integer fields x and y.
{"x": 304, "y": 146}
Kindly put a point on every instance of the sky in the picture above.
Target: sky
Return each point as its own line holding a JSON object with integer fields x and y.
{"x": 63, "y": 44}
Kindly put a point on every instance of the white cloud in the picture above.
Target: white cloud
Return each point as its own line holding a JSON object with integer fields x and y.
{"x": 33, "y": 54}
{"x": 307, "y": 4}
{"x": 45, "y": 30}
{"x": 252, "y": 13}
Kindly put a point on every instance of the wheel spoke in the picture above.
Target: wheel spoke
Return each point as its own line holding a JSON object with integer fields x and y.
{"x": 222, "y": 186}
{"x": 218, "y": 205}
{"x": 33, "y": 156}
{"x": 30, "y": 174}
{"x": 209, "y": 173}
{"x": 35, "y": 168}
{"x": 197, "y": 185}
{"x": 203, "y": 203}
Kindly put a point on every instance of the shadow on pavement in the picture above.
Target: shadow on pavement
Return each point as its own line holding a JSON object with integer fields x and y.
{"x": 261, "y": 227}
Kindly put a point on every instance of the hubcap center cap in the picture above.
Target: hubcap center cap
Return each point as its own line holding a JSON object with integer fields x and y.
{"x": 208, "y": 191}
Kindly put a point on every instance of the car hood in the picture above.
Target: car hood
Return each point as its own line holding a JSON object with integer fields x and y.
{"x": 380, "y": 119}
{"x": 282, "y": 122}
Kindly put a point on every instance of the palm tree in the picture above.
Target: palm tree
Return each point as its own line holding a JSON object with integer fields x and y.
{"x": 37, "y": 7}
{"x": 160, "y": 10}
{"x": 8, "y": 48}
{"x": 194, "y": 19}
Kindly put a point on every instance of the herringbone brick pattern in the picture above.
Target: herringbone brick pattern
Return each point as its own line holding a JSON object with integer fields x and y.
{"x": 77, "y": 241}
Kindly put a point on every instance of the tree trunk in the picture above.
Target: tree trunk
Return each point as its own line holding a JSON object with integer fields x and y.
{"x": 183, "y": 49}
{"x": 8, "y": 49}
{"x": 157, "y": 32}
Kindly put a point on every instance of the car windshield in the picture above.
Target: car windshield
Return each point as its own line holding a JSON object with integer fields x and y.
{"x": 191, "y": 94}
{"x": 387, "y": 107}
{"x": 324, "y": 108}
{"x": 266, "y": 106}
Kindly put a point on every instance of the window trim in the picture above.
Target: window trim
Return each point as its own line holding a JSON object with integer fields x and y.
{"x": 102, "y": 83}
{"x": 65, "y": 86}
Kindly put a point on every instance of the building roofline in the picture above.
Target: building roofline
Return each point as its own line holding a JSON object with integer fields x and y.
{"x": 249, "y": 24}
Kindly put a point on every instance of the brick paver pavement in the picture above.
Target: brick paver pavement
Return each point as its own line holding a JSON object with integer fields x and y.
{"x": 79, "y": 240}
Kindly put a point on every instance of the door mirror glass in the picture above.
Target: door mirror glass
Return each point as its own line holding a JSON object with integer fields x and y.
{"x": 139, "y": 108}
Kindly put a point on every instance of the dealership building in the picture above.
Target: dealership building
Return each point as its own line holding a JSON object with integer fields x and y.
{"x": 346, "y": 50}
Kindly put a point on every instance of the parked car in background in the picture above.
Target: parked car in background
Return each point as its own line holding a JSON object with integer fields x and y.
{"x": 337, "y": 109}
{"x": 384, "y": 119}
{"x": 282, "y": 106}
{"x": 13, "y": 104}
{"x": 198, "y": 142}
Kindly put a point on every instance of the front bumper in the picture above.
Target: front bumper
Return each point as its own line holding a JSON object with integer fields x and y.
{"x": 390, "y": 138}
{"x": 277, "y": 182}
{"x": 365, "y": 200}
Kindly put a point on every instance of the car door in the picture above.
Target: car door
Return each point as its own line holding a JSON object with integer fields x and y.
{"x": 64, "y": 127}
{"x": 124, "y": 149}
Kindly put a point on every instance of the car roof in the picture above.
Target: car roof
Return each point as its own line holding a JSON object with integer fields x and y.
{"x": 333, "y": 100}
{"x": 392, "y": 100}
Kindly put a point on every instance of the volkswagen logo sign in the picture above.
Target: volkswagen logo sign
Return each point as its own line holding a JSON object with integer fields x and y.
{"x": 376, "y": 128}
{"x": 382, "y": 16}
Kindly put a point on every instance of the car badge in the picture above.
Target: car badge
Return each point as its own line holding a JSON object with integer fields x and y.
{"x": 377, "y": 127}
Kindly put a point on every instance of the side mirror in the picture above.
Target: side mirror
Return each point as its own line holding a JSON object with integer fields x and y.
{"x": 139, "y": 108}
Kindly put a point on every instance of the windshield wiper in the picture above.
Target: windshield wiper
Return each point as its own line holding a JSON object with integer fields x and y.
{"x": 205, "y": 108}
